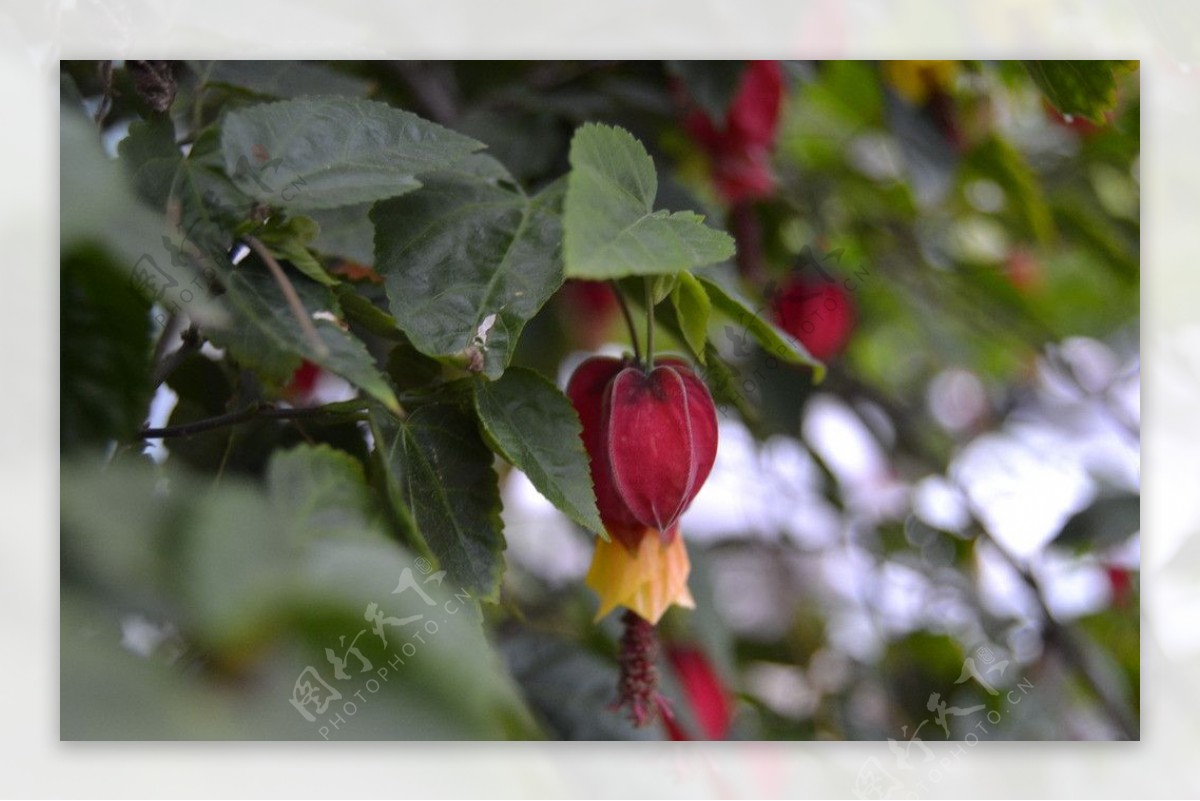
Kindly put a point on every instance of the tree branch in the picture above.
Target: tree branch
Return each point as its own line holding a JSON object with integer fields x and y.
{"x": 254, "y": 411}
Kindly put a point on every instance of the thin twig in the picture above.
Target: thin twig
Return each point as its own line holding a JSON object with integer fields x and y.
{"x": 252, "y": 412}
{"x": 289, "y": 293}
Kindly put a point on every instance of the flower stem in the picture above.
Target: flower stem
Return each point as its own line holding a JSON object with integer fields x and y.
{"x": 637, "y": 354}
{"x": 649, "y": 324}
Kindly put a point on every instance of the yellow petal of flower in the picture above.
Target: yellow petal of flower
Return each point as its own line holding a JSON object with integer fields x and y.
{"x": 647, "y": 581}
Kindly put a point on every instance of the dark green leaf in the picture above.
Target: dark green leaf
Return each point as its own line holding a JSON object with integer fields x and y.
{"x": 105, "y": 352}
{"x": 151, "y": 158}
{"x": 346, "y": 232}
{"x": 283, "y": 79}
{"x": 467, "y": 264}
{"x": 268, "y": 338}
{"x": 611, "y": 228}
{"x": 320, "y": 153}
{"x": 440, "y": 472}
{"x": 531, "y": 423}
{"x": 748, "y": 322}
{"x": 1080, "y": 88}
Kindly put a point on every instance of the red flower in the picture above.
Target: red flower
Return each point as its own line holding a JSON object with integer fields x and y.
{"x": 303, "y": 381}
{"x": 704, "y": 692}
{"x": 739, "y": 147}
{"x": 651, "y": 439}
{"x": 820, "y": 315}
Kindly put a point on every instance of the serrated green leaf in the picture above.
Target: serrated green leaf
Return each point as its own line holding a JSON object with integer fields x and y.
{"x": 267, "y": 337}
{"x": 611, "y": 228}
{"x": 319, "y": 153}
{"x": 467, "y": 263}
{"x": 283, "y": 79}
{"x": 319, "y": 491}
{"x": 530, "y": 423}
{"x": 440, "y": 471}
{"x": 1080, "y": 88}
{"x": 693, "y": 308}
{"x": 773, "y": 340}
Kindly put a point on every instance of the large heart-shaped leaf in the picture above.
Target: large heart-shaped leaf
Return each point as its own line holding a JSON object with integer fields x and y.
{"x": 467, "y": 262}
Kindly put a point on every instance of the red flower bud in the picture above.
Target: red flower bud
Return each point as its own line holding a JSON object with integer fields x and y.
{"x": 820, "y": 315}
{"x": 651, "y": 438}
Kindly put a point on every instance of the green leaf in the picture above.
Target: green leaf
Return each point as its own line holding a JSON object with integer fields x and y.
{"x": 467, "y": 263}
{"x": 319, "y": 153}
{"x": 267, "y": 337}
{"x": 529, "y": 422}
{"x": 1080, "y": 88}
{"x": 346, "y": 232}
{"x": 713, "y": 84}
{"x": 104, "y": 335}
{"x": 774, "y": 341}
{"x": 693, "y": 308}
{"x": 1109, "y": 521}
{"x": 439, "y": 472}
{"x": 319, "y": 491}
{"x": 611, "y": 228}
{"x": 283, "y": 79}
{"x": 151, "y": 158}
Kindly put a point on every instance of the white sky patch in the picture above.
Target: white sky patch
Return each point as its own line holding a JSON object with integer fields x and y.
{"x": 541, "y": 539}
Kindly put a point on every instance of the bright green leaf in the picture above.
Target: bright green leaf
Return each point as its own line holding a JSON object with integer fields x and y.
{"x": 693, "y": 308}
{"x": 467, "y": 263}
{"x": 319, "y": 153}
{"x": 531, "y": 423}
{"x": 611, "y": 228}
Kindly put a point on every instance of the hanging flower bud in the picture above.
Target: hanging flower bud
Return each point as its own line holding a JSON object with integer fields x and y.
{"x": 651, "y": 437}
